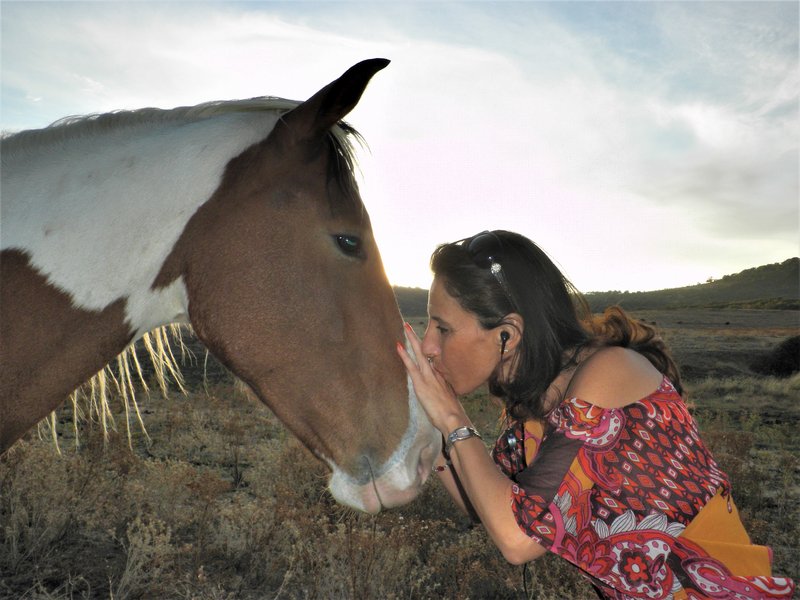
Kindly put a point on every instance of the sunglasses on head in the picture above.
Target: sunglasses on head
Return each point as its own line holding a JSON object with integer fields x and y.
{"x": 486, "y": 252}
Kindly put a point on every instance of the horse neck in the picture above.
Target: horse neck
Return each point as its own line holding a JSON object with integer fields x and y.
{"x": 98, "y": 214}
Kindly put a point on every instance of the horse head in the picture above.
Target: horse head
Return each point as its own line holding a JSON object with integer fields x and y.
{"x": 286, "y": 287}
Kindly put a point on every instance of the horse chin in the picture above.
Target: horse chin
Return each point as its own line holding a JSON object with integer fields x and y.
{"x": 398, "y": 480}
{"x": 360, "y": 497}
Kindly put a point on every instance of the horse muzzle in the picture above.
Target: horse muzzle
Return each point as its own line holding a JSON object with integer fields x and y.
{"x": 400, "y": 478}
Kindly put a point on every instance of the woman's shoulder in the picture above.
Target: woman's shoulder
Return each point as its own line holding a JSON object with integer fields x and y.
{"x": 615, "y": 391}
{"x": 614, "y": 377}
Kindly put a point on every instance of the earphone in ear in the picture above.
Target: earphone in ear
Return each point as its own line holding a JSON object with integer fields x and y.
{"x": 504, "y": 337}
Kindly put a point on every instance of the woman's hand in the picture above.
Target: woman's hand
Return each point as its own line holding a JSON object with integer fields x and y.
{"x": 481, "y": 487}
{"x": 433, "y": 392}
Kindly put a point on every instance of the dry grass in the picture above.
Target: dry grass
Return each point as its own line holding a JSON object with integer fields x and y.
{"x": 105, "y": 522}
{"x": 225, "y": 504}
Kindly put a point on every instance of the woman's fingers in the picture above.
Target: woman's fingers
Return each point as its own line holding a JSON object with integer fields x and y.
{"x": 415, "y": 354}
{"x": 436, "y": 396}
{"x": 414, "y": 342}
{"x": 410, "y": 364}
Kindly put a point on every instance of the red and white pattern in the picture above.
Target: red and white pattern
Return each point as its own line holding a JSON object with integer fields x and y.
{"x": 639, "y": 477}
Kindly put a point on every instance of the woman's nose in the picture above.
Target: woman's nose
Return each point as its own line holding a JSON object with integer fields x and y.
{"x": 430, "y": 346}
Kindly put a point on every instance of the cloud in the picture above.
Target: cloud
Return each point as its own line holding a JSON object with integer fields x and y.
{"x": 93, "y": 57}
{"x": 670, "y": 128}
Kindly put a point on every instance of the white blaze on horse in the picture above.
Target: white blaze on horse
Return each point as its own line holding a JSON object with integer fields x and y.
{"x": 241, "y": 218}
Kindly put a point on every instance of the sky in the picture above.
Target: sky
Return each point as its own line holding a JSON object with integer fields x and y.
{"x": 642, "y": 145}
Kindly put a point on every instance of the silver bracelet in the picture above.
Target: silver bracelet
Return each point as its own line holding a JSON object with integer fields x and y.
{"x": 459, "y": 434}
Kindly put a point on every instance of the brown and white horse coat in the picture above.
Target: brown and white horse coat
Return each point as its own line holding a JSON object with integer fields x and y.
{"x": 240, "y": 218}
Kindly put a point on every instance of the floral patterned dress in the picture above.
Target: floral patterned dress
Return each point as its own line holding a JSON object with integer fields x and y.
{"x": 633, "y": 498}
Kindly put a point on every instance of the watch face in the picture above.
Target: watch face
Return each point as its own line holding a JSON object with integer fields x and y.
{"x": 462, "y": 433}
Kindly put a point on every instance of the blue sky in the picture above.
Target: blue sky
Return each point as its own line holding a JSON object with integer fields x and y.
{"x": 643, "y": 145}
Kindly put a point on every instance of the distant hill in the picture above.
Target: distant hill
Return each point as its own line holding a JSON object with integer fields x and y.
{"x": 771, "y": 286}
{"x": 775, "y": 286}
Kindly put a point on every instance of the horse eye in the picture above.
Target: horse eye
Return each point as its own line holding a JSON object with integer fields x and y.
{"x": 349, "y": 244}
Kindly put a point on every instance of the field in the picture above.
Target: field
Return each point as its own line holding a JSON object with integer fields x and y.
{"x": 223, "y": 503}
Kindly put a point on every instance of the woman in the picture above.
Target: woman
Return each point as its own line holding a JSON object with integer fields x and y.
{"x": 602, "y": 463}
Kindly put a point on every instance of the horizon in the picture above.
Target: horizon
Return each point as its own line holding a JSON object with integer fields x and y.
{"x": 643, "y": 146}
{"x": 714, "y": 280}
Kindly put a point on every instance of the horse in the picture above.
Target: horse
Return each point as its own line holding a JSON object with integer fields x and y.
{"x": 241, "y": 219}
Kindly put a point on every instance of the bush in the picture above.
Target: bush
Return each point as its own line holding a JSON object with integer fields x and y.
{"x": 782, "y": 361}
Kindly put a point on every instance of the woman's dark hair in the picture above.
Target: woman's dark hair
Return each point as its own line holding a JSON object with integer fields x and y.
{"x": 557, "y": 321}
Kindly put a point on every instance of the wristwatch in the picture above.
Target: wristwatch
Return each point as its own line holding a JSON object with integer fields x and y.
{"x": 459, "y": 434}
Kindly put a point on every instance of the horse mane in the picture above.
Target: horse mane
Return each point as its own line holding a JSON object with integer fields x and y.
{"x": 77, "y": 126}
{"x": 90, "y": 401}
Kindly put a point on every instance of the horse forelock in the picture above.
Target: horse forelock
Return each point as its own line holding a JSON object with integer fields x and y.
{"x": 343, "y": 166}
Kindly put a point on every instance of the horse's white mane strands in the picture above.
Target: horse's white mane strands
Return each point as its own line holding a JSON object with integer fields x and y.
{"x": 92, "y": 400}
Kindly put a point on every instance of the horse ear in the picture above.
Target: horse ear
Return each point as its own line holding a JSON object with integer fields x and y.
{"x": 328, "y": 106}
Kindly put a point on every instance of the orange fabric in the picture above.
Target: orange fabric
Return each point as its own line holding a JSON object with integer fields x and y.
{"x": 534, "y": 432}
{"x": 721, "y": 534}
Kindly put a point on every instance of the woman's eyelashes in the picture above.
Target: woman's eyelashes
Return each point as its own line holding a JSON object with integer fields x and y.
{"x": 439, "y": 325}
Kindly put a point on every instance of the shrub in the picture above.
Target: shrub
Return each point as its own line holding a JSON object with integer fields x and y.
{"x": 782, "y": 361}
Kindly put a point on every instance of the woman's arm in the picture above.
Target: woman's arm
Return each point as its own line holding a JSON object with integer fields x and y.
{"x": 489, "y": 493}
{"x": 487, "y": 489}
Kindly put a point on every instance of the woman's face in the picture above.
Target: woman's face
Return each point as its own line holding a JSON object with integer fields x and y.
{"x": 463, "y": 352}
